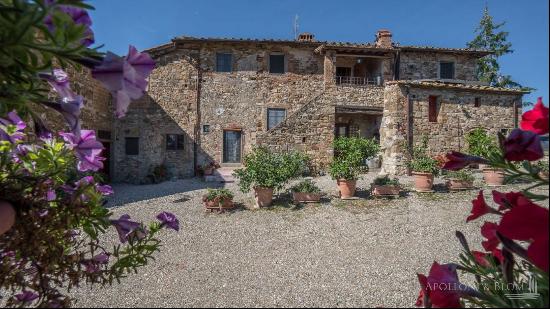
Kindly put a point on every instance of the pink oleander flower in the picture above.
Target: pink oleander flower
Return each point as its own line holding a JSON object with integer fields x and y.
{"x": 483, "y": 258}
{"x": 79, "y": 16}
{"x": 536, "y": 120}
{"x": 489, "y": 231}
{"x": 104, "y": 189}
{"x": 506, "y": 200}
{"x": 527, "y": 221}
{"x": 124, "y": 77}
{"x": 456, "y": 161}
{"x": 13, "y": 120}
{"x": 59, "y": 81}
{"x": 523, "y": 145}
{"x": 87, "y": 150}
{"x": 441, "y": 288}
{"x": 480, "y": 208}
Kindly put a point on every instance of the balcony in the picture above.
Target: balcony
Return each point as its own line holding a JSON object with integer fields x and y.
{"x": 359, "y": 81}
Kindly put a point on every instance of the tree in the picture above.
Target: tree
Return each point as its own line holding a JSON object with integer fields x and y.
{"x": 490, "y": 37}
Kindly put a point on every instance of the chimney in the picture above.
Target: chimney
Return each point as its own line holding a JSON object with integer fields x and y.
{"x": 306, "y": 37}
{"x": 383, "y": 38}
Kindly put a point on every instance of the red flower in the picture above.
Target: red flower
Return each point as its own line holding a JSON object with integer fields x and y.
{"x": 482, "y": 258}
{"x": 536, "y": 120}
{"x": 457, "y": 161}
{"x": 523, "y": 145}
{"x": 506, "y": 200}
{"x": 480, "y": 208}
{"x": 489, "y": 231}
{"x": 441, "y": 287}
{"x": 528, "y": 221}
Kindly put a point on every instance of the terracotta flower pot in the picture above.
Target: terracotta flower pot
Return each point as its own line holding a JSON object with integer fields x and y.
{"x": 543, "y": 175}
{"x": 264, "y": 196}
{"x": 493, "y": 176}
{"x": 482, "y": 166}
{"x": 216, "y": 204}
{"x": 456, "y": 184}
{"x": 385, "y": 190}
{"x": 423, "y": 182}
{"x": 347, "y": 188}
{"x": 7, "y": 217}
{"x": 303, "y": 197}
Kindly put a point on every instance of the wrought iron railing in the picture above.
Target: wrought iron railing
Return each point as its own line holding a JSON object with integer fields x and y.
{"x": 358, "y": 81}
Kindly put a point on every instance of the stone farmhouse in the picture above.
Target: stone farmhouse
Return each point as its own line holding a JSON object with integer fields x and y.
{"x": 213, "y": 99}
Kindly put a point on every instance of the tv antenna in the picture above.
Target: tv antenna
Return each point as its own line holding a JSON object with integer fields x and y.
{"x": 296, "y": 26}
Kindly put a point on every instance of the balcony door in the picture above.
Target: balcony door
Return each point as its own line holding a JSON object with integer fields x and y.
{"x": 231, "y": 146}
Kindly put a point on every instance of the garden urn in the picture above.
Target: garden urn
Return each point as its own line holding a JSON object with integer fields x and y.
{"x": 347, "y": 188}
{"x": 493, "y": 177}
{"x": 264, "y": 196}
{"x": 423, "y": 182}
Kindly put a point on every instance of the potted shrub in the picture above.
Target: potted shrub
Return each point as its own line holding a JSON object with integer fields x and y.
{"x": 350, "y": 155}
{"x": 460, "y": 180}
{"x": 218, "y": 199}
{"x": 306, "y": 192}
{"x": 386, "y": 186}
{"x": 265, "y": 171}
{"x": 481, "y": 144}
{"x": 423, "y": 167}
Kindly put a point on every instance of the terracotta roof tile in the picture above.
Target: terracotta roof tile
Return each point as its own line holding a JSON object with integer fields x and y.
{"x": 459, "y": 86}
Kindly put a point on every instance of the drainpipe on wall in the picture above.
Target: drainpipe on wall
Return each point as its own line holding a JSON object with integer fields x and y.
{"x": 409, "y": 119}
{"x": 197, "y": 131}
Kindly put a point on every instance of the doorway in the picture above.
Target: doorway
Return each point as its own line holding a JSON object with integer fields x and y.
{"x": 232, "y": 146}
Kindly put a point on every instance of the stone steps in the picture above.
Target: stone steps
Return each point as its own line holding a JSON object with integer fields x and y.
{"x": 223, "y": 174}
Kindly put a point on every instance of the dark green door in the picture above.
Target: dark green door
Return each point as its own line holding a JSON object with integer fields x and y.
{"x": 232, "y": 146}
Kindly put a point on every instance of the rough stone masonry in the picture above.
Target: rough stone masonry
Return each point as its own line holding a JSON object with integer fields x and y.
{"x": 220, "y": 97}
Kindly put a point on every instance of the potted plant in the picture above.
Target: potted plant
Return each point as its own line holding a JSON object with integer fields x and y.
{"x": 265, "y": 171}
{"x": 218, "y": 199}
{"x": 481, "y": 144}
{"x": 350, "y": 155}
{"x": 423, "y": 167}
{"x": 386, "y": 186}
{"x": 493, "y": 176}
{"x": 460, "y": 180}
{"x": 306, "y": 192}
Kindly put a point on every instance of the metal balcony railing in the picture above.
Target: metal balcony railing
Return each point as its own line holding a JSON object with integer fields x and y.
{"x": 358, "y": 81}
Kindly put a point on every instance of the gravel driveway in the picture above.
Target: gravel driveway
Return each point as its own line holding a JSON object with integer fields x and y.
{"x": 357, "y": 253}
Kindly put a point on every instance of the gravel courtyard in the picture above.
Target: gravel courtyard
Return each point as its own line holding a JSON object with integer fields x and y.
{"x": 357, "y": 253}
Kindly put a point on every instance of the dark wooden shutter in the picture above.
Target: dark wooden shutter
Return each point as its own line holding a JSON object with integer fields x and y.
{"x": 432, "y": 109}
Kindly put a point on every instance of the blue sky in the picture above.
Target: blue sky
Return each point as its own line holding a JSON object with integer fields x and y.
{"x": 445, "y": 23}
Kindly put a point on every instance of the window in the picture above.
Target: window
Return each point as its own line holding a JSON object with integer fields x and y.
{"x": 174, "y": 141}
{"x": 277, "y": 64}
{"x": 275, "y": 116}
{"x": 132, "y": 146}
{"x": 432, "y": 108}
{"x": 447, "y": 70}
{"x": 223, "y": 62}
{"x": 477, "y": 102}
{"x": 205, "y": 128}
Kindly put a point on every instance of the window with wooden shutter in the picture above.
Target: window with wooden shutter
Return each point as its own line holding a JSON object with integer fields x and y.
{"x": 432, "y": 108}
{"x": 447, "y": 70}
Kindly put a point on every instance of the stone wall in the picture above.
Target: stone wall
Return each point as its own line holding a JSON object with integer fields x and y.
{"x": 170, "y": 107}
{"x": 456, "y": 116}
{"x": 425, "y": 65}
{"x": 311, "y": 129}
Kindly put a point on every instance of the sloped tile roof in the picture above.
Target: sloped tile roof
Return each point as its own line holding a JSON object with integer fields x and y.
{"x": 326, "y": 44}
{"x": 458, "y": 86}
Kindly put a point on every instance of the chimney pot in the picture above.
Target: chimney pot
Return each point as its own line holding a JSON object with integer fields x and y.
{"x": 306, "y": 37}
{"x": 383, "y": 38}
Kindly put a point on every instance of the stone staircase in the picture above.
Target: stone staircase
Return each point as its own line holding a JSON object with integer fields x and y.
{"x": 223, "y": 174}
